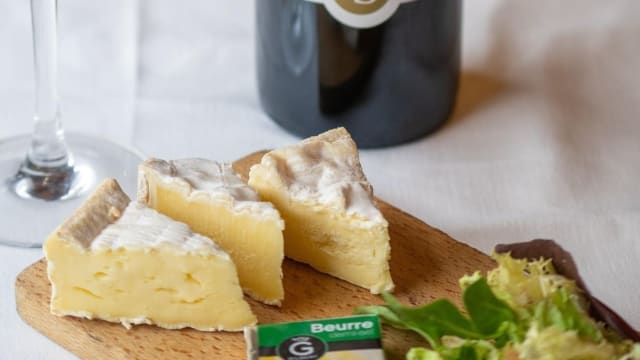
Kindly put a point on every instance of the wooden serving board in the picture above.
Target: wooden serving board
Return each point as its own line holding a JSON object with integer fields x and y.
{"x": 425, "y": 264}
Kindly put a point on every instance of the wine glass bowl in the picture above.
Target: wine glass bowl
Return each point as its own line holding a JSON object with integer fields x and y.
{"x": 45, "y": 176}
{"x": 26, "y": 219}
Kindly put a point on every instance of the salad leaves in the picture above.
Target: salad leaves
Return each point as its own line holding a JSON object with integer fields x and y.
{"x": 489, "y": 317}
{"x": 562, "y": 311}
{"x": 520, "y": 310}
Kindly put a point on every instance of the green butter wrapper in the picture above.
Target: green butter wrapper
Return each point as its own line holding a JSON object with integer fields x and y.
{"x": 345, "y": 338}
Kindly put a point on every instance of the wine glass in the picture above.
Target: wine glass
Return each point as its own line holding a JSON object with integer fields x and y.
{"x": 44, "y": 176}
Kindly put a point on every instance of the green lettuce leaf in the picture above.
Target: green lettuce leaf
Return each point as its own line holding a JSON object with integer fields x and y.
{"x": 433, "y": 320}
{"x": 562, "y": 310}
{"x": 458, "y": 350}
{"x": 554, "y": 343}
{"x": 423, "y": 354}
{"x": 522, "y": 284}
{"x": 387, "y": 316}
{"x": 488, "y": 313}
{"x": 489, "y": 317}
{"x": 522, "y": 310}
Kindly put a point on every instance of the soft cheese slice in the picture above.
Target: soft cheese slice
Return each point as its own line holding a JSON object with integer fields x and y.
{"x": 332, "y": 222}
{"x": 120, "y": 261}
{"x": 214, "y": 201}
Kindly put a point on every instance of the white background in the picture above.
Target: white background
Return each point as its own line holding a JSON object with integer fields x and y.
{"x": 545, "y": 140}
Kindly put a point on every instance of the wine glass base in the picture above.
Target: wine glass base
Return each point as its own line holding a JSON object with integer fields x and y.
{"x": 57, "y": 184}
{"x": 26, "y": 221}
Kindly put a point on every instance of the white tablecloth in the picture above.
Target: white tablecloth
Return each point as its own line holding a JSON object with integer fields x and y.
{"x": 545, "y": 140}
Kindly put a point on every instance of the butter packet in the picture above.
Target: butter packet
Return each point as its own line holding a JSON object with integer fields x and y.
{"x": 345, "y": 338}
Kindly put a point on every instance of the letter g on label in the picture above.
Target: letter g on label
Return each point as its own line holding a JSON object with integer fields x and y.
{"x": 301, "y": 348}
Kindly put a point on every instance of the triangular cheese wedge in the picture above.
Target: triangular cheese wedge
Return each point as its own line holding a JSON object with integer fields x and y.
{"x": 214, "y": 201}
{"x": 332, "y": 222}
{"x": 120, "y": 261}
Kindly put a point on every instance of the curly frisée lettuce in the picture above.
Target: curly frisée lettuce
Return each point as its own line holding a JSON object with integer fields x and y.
{"x": 523, "y": 283}
{"x": 521, "y": 310}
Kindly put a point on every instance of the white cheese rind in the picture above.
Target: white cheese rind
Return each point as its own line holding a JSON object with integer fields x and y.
{"x": 142, "y": 228}
{"x": 325, "y": 170}
{"x": 207, "y": 179}
{"x": 333, "y": 223}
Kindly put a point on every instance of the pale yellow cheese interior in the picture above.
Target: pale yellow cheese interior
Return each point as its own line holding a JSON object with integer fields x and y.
{"x": 120, "y": 261}
{"x": 329, "y": 241}
{"x": 332, "y": 221}
{"x": 157, "y": 286}
{"x": 254, "y": 244}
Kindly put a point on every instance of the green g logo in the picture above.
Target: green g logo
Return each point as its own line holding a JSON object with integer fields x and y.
{"x": 303, "y": 347}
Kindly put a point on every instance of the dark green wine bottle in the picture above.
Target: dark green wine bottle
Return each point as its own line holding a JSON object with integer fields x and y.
{"x": 387, "y": 70}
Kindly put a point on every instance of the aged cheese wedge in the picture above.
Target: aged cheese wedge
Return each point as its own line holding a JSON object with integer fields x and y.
{"x": 332, "y": 222}
{"x": 120, "y": 261}
{"x": 214, "y": 201}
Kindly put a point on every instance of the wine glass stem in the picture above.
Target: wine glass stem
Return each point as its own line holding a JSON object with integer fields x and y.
{"x": 48, "y": 150}
{"x": 48, "y": 172}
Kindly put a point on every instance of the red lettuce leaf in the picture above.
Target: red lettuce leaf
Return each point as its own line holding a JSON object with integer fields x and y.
{"x": 566, "y": 266}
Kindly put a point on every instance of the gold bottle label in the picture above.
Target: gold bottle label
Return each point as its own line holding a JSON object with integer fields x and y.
{"x": 361, "y": 13}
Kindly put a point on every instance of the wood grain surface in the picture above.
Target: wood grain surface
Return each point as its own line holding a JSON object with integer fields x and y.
{"x": 425, "y": 264}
